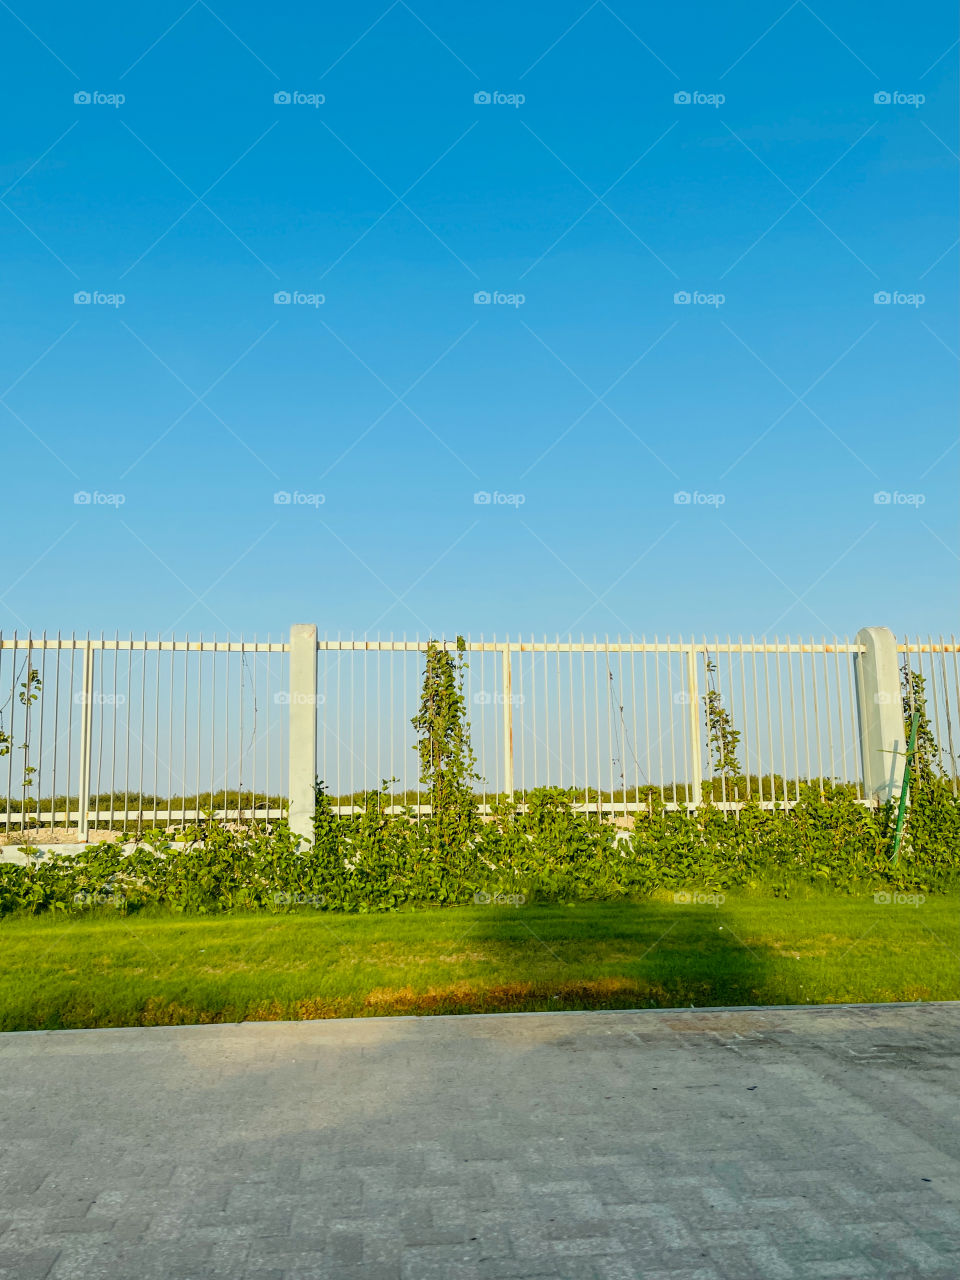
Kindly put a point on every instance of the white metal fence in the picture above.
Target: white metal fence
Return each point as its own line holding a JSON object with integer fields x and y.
{"x": 103, "y": 733}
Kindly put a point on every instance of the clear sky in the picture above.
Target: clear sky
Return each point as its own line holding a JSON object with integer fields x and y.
{"x": 778, "y": 193}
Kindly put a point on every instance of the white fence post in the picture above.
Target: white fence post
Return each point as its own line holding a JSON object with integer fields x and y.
{"x": 303, "y": 728}
{"x": 880, "y": 714}
{"x": 86, "y": 746}
{"x": 695, "y": 794}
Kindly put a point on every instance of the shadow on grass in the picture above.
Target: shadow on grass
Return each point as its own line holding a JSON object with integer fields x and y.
{"x": 597, "y": 956}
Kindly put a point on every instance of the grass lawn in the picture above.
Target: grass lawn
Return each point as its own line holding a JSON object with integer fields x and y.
{"x": 103, "y": 970}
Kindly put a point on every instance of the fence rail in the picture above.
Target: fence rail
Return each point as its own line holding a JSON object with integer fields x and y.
{"x": 108, "y": 733}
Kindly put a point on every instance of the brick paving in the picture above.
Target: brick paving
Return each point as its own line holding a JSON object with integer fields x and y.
{"x": 776, "y": 1144}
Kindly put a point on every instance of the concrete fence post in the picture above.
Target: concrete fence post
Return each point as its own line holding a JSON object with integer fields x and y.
{"x": 303, "y": 728}
{"x": 880, "y": 714}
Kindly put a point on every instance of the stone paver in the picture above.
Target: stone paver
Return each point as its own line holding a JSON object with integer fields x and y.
{"x": 776, "y": 1144}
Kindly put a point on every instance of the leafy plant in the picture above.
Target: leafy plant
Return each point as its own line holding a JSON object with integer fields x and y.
{"x": 933, "y": 818}
{"x": 548, "y": 848}
{"x": 447, "y": 762}
{"x": 723, "y": 740}
{"x": 29, "y": 690}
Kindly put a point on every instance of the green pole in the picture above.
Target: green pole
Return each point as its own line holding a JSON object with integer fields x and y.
{"x": 902, "y": 807}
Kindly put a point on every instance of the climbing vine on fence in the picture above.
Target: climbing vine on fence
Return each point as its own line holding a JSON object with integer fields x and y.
{"x": 28, "y": 692}
{"x": 447, "y": 761}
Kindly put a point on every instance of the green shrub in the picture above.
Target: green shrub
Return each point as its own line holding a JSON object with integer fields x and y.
{"x": 548, "y": 849}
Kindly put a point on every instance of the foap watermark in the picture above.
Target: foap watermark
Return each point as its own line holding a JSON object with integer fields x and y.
{"x": 484, "y": 698}
{"x": 691, "y": 898}
{"x": 94, "y": 98}
{"x": 694, "y": 98}
{"x": 494, "y": 98}
{"x": 96, "y": 699}
{"x": 283, "y": 498}
{"x": 94, "y": 298}
{"x": 299, "y": 899}
{"x": 683, "y": 498}
{"x": 894, "y": 98}
{"x": 897, "y": 499}
{"x": 685, "y": 298}
{"x": 296, "y": 298}
{"x": 488, "y": 298}
{"x": 98, "y": 898}
{"x": 894, "y": 298}
{"x": 683, "y": 699}
{"x": 83, "y": 498}
{"x": 294, "y": 98}
{"x": 284, "y": 699}
{"x": 499, "y": 899}
{"x": 900, "y": 899}
{"x": 498, "y": 499}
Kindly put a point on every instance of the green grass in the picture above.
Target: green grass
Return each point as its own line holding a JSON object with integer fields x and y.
{"x": 102, "y": 970}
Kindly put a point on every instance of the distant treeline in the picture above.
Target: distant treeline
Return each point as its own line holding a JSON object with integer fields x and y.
{"x": 140, "y": 806}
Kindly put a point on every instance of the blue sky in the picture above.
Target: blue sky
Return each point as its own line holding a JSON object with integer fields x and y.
{"x": 592, "y": 404}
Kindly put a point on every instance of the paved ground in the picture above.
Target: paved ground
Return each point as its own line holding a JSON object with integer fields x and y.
{"x": 709, "y": 1145}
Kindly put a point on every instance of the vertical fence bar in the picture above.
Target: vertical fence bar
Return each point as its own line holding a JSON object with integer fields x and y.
{"x": 56, "y": 738}
{"x": 533, "y": 703}
{"x": 853, "y": 701}
{"x": 156, "y": 733}
{"x": 43, "y": 676}
{"x": 596, "y": 722}
{"x": 695, "y": 796}
{"x": 560, "y": 779}
{"x": 26, "y": 695}
{"x": 622, "y": 728}
{"x": 183, "y": 758}
{"x": 827, "y": 713}
{"x": 11, "y": 744}
{"x": 815, "y": 705}
{"x": 496, "y": 732}
{"x": 746, "y": 717}
{"x": 70, "y": 697}
{"x": 844, "y": 762}
{"x": 611, "y": 703}
{"x": 86, "y": 742}
{"x": 522, "y": 727}
{"x": 656, "y": 672}
{"x": 95, "y": 798}
{"x": 583, "y": 699}
{"x": 711, "y": 747}
{"x": 113, "y": 734}
{"x": 949, "y": 718}
{"x": 783, "y": 736}
{"x": 482, "y": 703}
{"x": 730, "y": 686}
{"x": 173, "y": 655}
{"x": 573, "y": 732}
{"x": 670, "y": 715}
{"x": 507, "y": 682}
{"x": 936, "y": 703}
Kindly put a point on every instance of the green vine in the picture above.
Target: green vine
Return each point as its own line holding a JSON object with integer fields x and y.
{"x": 447, "y": 762}
{"x": 29, "y": 690}
{"x": 723, "y": 740}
